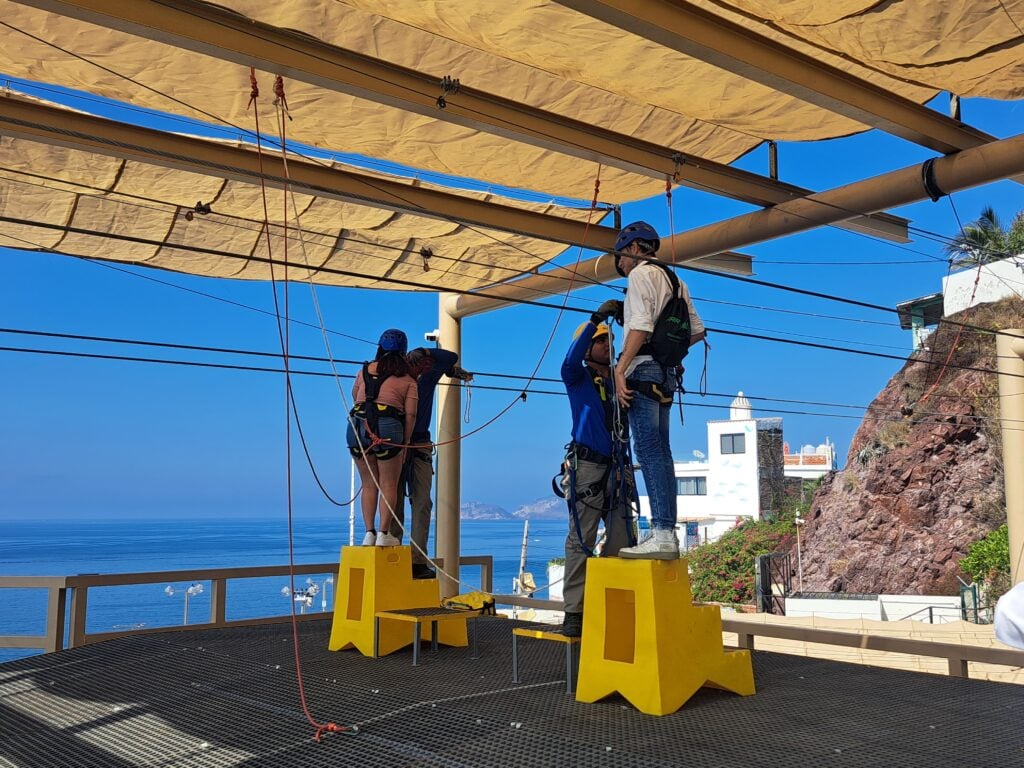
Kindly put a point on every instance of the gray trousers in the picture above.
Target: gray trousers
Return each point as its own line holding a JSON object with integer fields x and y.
{"x": 418, "y": 473}
{"x": 591, "y": 512}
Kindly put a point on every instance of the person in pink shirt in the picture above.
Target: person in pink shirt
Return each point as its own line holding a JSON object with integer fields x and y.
{"x": 379, "y": 426}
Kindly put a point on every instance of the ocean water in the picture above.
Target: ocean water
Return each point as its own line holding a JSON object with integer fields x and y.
{"x": 63, "y": 547}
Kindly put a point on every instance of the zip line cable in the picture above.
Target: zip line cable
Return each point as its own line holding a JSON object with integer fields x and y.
{"x": 309, "y": 358}
{"x": 378, "y": 278}
{"x": 695, "y": 404}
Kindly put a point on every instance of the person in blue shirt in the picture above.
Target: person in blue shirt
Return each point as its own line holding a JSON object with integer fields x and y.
{"x": 427, "y": 366}
{"x": 594, "y": 483}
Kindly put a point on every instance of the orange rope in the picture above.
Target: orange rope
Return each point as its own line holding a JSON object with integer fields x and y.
{"x": 283, "y": 336}
{"x": 956, "y": 340}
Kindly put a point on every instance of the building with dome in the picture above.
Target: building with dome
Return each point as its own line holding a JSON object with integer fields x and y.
{"x": 743, "y": 473}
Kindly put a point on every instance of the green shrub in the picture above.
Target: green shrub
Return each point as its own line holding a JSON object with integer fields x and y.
{"x": 989, "y": 558}
{"x": 723, "y": 571}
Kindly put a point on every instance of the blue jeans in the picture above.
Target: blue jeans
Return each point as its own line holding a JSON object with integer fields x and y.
{"x": 649, "y": 423}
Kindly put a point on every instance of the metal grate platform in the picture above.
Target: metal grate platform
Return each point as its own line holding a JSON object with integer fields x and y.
{"x": 220, "y": 698}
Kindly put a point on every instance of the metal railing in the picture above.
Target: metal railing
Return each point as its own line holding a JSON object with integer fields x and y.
{"x": 59, "y": 624}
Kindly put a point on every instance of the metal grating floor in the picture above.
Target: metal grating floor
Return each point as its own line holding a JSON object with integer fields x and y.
{"x": 220, "y": 698}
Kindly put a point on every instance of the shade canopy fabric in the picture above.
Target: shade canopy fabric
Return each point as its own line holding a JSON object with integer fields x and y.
{"x": 579, "y": 64}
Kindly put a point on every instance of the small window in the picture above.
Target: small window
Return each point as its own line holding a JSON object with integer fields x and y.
{"x": 734, "y": 443}
{"x": 691, "y": 486}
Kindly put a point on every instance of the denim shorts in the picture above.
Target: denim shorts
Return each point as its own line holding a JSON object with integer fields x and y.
{"x": 388, "y": 428}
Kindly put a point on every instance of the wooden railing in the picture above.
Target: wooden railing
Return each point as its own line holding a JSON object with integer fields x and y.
{"x": 958, "y": 656}
{"x": 58, "y": 624}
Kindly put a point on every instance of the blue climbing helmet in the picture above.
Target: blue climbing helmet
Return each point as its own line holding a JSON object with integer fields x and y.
{"x": 393, "y": 340}
{"x": 638, "y": 230}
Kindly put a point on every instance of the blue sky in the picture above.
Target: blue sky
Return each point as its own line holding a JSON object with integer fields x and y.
{"x": 98, "y": 438}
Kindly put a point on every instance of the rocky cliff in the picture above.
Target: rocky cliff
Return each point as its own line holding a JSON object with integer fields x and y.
{"x": 923, "y": 479}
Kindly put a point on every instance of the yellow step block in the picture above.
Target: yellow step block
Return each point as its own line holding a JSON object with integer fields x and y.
{"x": 372, "y": 579}
{"x": 644, "y": 638}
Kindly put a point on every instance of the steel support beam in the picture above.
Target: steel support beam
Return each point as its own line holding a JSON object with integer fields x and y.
{"x": 206, "y": 29}
{"x": 449, "y": 453}
{"x": 1010, "y": 364}
{"x": 36, "y": 122}
{"x": 969, "y": 168}
{"x": 702, "y": 35}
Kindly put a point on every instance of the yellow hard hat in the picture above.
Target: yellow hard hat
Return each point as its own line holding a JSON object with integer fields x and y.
{"x": 602, "y": 330}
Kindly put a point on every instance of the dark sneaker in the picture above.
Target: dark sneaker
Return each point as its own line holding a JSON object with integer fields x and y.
{"x": 423, "y": 571}
{"x": 572, "y": 624}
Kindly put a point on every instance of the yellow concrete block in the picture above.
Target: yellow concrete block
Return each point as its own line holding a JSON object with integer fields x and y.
{"x": 644, "y": 638}
{"x": 372, "y": 579}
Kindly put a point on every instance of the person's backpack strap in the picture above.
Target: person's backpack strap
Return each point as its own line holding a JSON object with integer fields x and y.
{"x": 372, "y": 384}
{"x": 670, "y": 340}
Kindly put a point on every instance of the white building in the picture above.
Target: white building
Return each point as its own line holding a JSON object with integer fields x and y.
{"x": 960, "y": 290}
{"x": 742, "y": 475}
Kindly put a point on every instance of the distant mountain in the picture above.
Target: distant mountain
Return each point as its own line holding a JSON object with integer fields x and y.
{"x": 477, "y": 510}
{"x": 550, "y": 508}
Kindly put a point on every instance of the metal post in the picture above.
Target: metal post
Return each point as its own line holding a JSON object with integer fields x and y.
{"x": 449, "y": 450}
{"x": 1010, "y": 364}
{"x": 799, "y": 521}
{"x": 79, "y": 609}
{"x": 218, "y": 601}
{"x": 56, "y": 602}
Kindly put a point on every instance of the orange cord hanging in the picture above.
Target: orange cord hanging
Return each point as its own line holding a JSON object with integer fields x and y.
{"x": 283, "y": 336}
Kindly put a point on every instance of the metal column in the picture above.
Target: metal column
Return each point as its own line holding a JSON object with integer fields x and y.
{"x": 1010, "y": 363}
{"x": 449, "y": 450}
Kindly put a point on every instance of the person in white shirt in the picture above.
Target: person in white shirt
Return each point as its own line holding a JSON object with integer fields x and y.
{"x": 645, "y": 386}
{"x": 1010, "y": 617}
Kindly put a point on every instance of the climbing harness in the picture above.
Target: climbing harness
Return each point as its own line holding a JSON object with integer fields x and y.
{"x": 367, "y": 415}
{"x": 615, "y": 482}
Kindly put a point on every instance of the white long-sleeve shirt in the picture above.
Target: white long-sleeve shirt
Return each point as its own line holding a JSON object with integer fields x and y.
{"x": 648, "y": 290}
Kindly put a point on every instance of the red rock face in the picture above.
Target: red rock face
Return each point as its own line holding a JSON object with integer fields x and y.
{"x": 917, "y": 490}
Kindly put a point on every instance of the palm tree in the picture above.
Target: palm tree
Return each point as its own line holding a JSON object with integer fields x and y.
{"x": 982, "y": 240}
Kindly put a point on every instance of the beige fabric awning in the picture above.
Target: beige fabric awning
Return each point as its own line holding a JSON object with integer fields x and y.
{"x": 144, "y": 214}
{"x": 594, "y": 64}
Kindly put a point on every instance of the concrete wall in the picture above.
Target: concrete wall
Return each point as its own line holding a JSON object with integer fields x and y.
{"x": 997, "y": 281}
{"x": 826, "y": 608}
{"x": 945, "y": 609}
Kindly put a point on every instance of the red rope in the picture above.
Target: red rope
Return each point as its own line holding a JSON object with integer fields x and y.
{"x": 671, "y": 222}
{"x": 283, "y": 336}
{"x": 956, "y": 340}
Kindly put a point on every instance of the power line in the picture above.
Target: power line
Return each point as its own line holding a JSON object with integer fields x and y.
{"x": 319, "y": 359}
{"x": 524, "y": 391}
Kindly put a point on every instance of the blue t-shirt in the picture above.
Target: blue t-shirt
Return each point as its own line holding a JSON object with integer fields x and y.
{"x": 588, "y": 421}
{"x": 426, "y": 384}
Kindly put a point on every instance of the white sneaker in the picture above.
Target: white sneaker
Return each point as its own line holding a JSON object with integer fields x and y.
{"x": 661, "y": 545}
{"x": 385, "y": 539}
{"x": 370, "y": 539}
